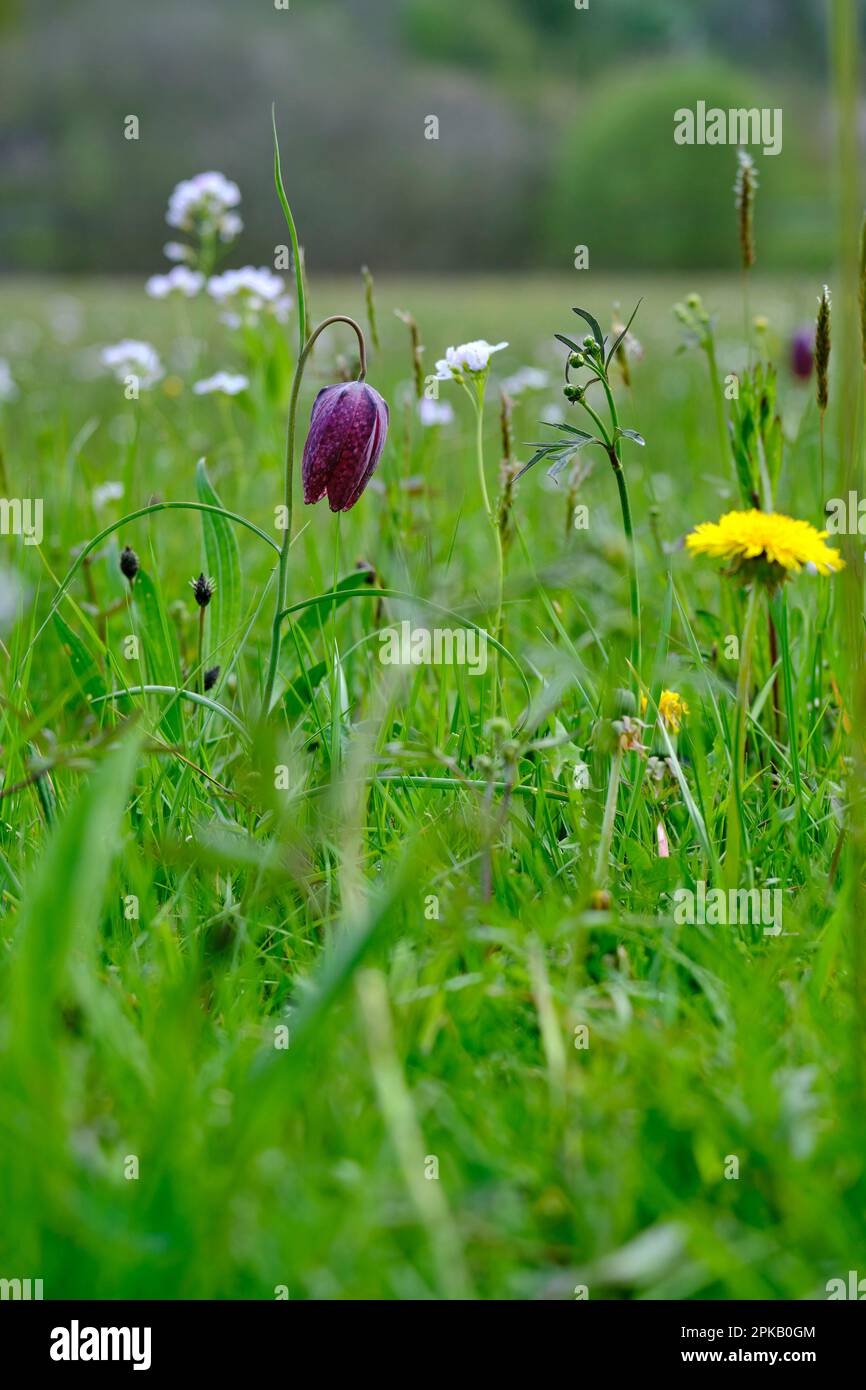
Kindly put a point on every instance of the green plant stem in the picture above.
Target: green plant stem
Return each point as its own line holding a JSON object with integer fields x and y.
{"x": 735, "y": 790}
{"x": 603, "y": 856}
{"x": 283, "y": 564}
{"x": 718, "y": 401}
{"x": 612, "y": 445}
{"x": 478, "y": 404}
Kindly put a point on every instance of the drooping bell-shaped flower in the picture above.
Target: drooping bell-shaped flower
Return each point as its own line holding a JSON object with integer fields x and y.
{"x": 803, "y": 352}
{"x": 348, "y": 426}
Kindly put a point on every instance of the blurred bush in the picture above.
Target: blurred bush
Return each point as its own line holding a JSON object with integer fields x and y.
{"x": 541, "y": 144}
{"x": 621, "y": 186}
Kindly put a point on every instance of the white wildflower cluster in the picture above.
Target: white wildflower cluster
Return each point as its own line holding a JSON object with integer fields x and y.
{"x": 204, "y": 204}
{"x": 471, "y": 357}
{"x": 105, "y": 493}
{"x": 131, "y": 358}
{"x": 432, "y": 413}
{"x": 526, "y": 379}
{"x": 246, "y": 293}
{"x": 222, "y": 383}
{"x": 180, "y": 280}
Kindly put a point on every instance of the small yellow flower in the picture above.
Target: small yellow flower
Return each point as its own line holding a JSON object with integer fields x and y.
{"x": 672, "y": 709}
{"x": 764, "y": 545}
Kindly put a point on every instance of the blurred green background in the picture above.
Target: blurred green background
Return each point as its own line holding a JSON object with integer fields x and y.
{"x": 555, "y": 129}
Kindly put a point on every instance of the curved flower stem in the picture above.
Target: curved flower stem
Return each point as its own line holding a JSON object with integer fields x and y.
{"x": 283, "y": 567}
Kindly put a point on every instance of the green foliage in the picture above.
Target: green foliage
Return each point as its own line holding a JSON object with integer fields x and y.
{"x": 409, "y": 911}
{"x": 487, "y": 35}
{"x": 222, "y": 557}
{"x": 622, "y": 187}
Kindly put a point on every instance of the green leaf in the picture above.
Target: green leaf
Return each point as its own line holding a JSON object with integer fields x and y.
{"x": 569, "y": 429}
{"x": 290, "y": 223}
{"x": 594, "y": 325}
{"x": 61, "y": 906}
{"x": 561, "y": 452}
{"x": 224, "y": 565}
{"x": 297, "y": 696}
{"x": 84, "y": 665}
{"x": 159, "y": 643}
{"x": 610, "y": 355}
{"x": 569, "y": 342}
{"x": 632, "y": 434}
{"x": 345, "y": 588}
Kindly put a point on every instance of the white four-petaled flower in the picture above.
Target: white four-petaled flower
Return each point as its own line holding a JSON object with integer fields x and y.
{"x": 468, "y": 357}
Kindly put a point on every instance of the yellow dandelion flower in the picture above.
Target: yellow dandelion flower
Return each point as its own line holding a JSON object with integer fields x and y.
{"x": 765, "y": 545}
{"x": 672, "y": 709}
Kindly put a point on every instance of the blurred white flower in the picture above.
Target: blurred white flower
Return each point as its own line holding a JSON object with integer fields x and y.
{"x": 553, "y": 414}
{"x": 12, "y": 595}
{"x": 20, "y": 337}
{"x": 434, "y": 412}
{"x": 247, "y": 292}
{"x": 107, "y": 492}
{"x": 226, "y": 382}
{"x": 180, "y": 280}
{"x": 231, "y": 225}
{"x": 178, "y": 251}
{"x": 633, "y": 347}
{"x": 468, "y": 357}
{"x": 133, "y": 358}
{"x": 526, "y": 379}
{"x": 580, "y": 777}
{"x": 66, "y": 318}
{"x": 202, "y": 203}
{"x": 8, "y": 389}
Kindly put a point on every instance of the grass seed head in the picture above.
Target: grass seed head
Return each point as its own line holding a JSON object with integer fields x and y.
{"x": 745, "y": 187}
{"x": 822, "y": 350}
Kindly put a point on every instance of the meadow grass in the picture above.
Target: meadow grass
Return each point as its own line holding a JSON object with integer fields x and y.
{"x": 506, "y": 1075}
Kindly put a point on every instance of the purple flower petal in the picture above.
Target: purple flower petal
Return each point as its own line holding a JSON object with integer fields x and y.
{"x": 348, "y": 427}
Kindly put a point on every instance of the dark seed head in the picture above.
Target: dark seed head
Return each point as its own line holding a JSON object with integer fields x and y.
{"x": 203, "y": 590}
{"x": 210, "y": 677}
{"x": 129, "y": 565}
{"x": 822, "y": 350}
